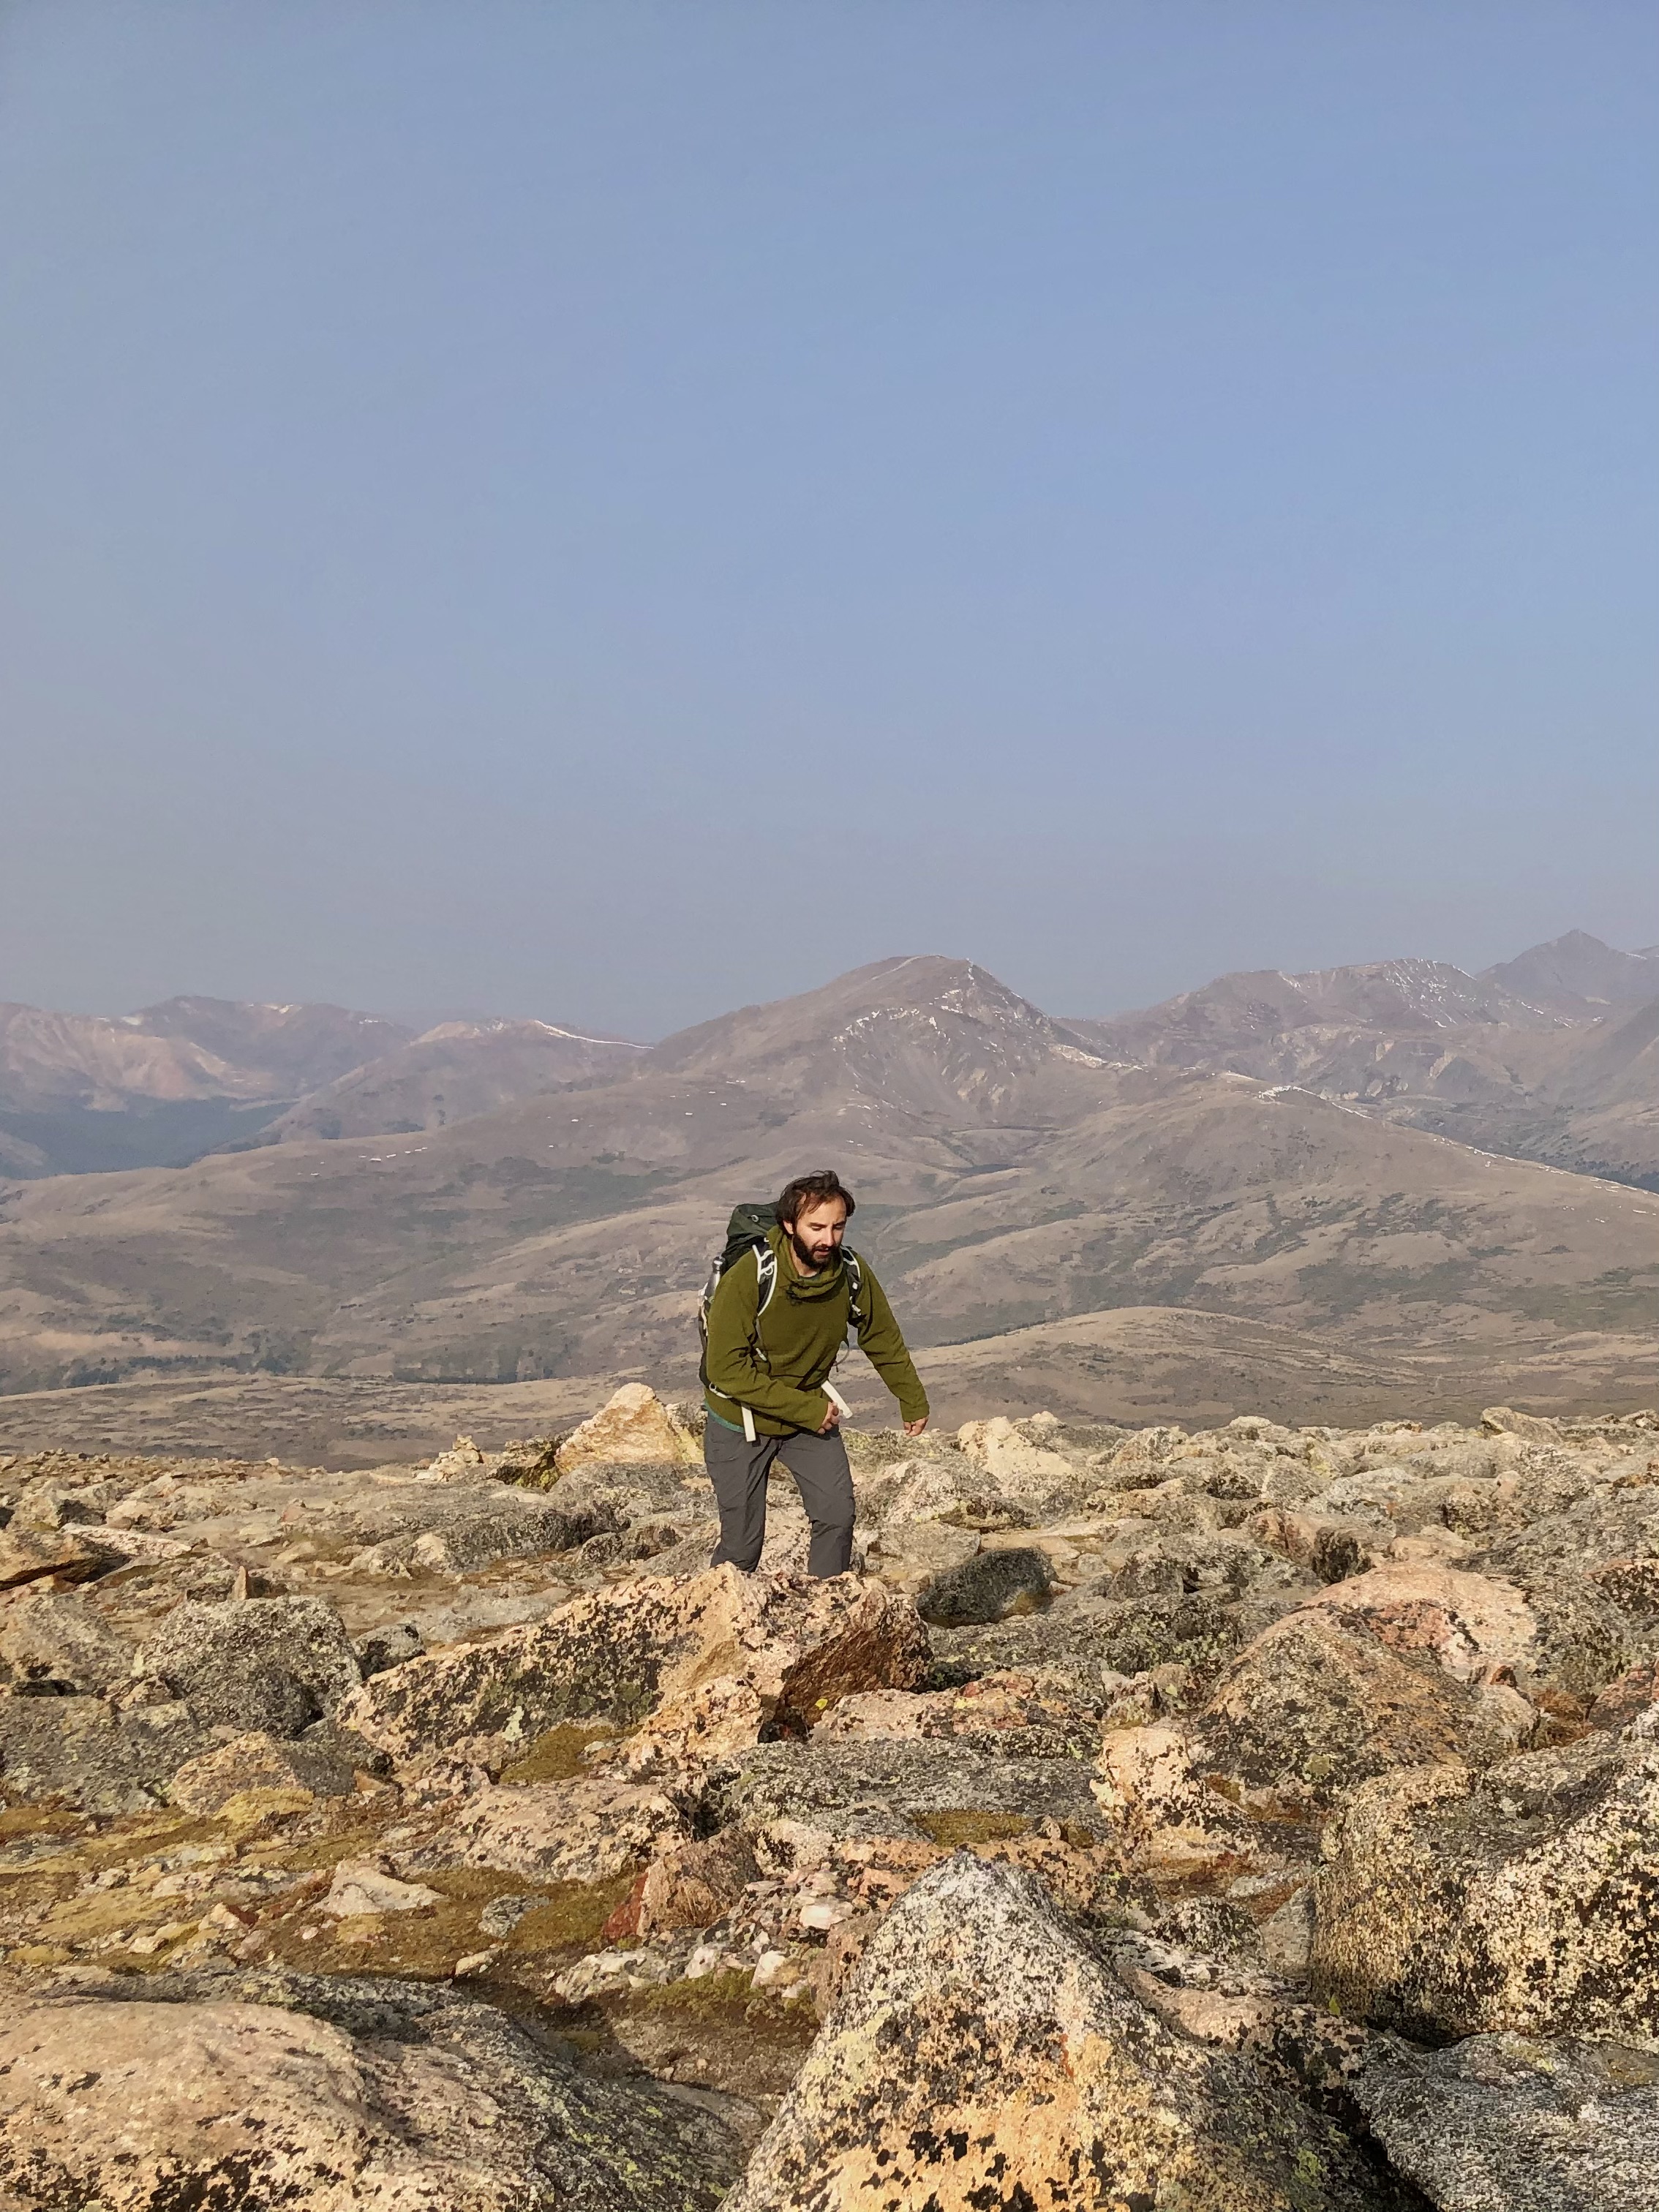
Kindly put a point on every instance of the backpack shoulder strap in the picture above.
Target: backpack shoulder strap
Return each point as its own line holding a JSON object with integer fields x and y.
{"x": 766, "y": 1277}
{"x": 849, "y": 1259}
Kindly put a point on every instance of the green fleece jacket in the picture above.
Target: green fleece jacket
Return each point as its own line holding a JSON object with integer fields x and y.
{"x": 777, "y": 1364}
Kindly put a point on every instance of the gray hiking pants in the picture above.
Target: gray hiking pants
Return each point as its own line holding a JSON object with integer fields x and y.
{"x": 738, "y": 1470}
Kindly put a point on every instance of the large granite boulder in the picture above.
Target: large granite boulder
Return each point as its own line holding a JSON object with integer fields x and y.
{"x": 281, "y": 2091}
{"x": 707, "y": 1664}
{"x": 1509, "y": 2123}
{"x": 1308, "y": 1709}
{"x": 980, "y": 2056}
{"x": 89, "y": 1754}
{"x": 1459, "y": 1903}
{"x": 275, "y": 1664}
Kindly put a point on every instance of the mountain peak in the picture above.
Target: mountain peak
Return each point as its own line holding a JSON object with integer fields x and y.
{"x": 922, "y": 1032}
{"x": 1577, "y": 975}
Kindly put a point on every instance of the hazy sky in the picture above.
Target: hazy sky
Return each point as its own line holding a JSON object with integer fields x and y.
{"x": 611, "y": 511}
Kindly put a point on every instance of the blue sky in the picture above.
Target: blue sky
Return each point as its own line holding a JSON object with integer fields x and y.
{"x": 612, "y": 511}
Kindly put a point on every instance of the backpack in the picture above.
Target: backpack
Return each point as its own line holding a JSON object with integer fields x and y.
{"x": 745, "y": 1232}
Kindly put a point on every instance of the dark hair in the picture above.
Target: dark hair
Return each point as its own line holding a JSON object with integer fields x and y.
{"x": 807, "y": 1191}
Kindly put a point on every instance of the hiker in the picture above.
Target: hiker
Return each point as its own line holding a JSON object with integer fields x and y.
{"x": 783, "y": 1299}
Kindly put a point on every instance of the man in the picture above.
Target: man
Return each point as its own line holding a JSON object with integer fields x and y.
{"x": 775, "y": 1363}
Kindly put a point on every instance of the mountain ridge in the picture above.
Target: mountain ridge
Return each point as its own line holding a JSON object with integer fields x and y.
{"x": 1010, "y": 1178}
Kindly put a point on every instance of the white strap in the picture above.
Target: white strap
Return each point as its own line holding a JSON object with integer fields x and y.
{"x": 837, "y": 1400}
{"x": 748, "y": 1426}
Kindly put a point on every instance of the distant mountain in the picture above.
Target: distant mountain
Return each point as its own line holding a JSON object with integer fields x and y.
{"x": 80, "y": 1092}
{"x": 450, "y": 1073}
{"x": 1243, "y": 1012}
{"x": 1579, "y": 976}
{"x": 1009, "y": 1177}
{"x": 923, "y": 1035}
{"x": 1525, "y": 1059}
{"x": 1411, "y": 1027}
{"x": 295, "y": 1048}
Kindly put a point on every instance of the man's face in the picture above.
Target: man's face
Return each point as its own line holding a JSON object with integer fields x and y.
{"x": 817, "y": 1233}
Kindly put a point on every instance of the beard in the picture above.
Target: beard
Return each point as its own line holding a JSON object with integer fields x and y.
{"x": 808, "y": 1258}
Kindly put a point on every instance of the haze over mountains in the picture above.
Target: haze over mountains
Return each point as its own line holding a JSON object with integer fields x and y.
{"x": 1253, "y": 1181}
{"x": 159, "y": 1088}
{"x": 1549, "y": 1057}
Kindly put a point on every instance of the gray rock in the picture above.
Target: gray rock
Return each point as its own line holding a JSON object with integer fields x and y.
{"x": 47, "y": 1504}
{"x": 272, "y": 1663}
{"x": 84, "y": 1753}
{"x": 981, "y": 2056}
{"x": 259, "y": 1762}
{"x": 619, "y": 1653}
{"x": 1521, "y": 1899}
{"x": 885, "y": 1786}
{"x": 1506, "y": 2124}
{"x": 388, "y": 1647}
{"x": 29, "y": 1555}
{"x": 989, "y": 1587}
{"x": 268, "y": 2091}
{"x": 513, "y": 1527}
{"x": 52, "y": 1637}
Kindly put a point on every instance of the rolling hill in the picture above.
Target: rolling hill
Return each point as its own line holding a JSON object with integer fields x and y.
{"x": 1014, "y": 1175}
{"x": 81, "y": 1093}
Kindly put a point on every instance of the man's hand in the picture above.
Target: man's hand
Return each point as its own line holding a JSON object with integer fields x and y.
{"x": 831, "y": 1422}
{"x": 915, "y": 1428}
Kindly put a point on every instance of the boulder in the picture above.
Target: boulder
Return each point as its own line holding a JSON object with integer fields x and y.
{"x": 1017, "y": 1467}
{"x": 1034, "y": 1713}
{"x": 1152, "y": 1786}
{"x": 581, "y": 1831}
{"x": 52, "y": 1637}
{"x": 1533, "y": 1428}
{"x": 85, "y": 1751}
{"x": 269, "y": 2092}
{"x": 275, "y": 1664}
{"x": 889, "y": 1787}
{"x": 257, "y": 1761}
{"x": 507, "y": 1525}
{"x": 633, "y": 1427}
{"x": 917, "y": 1489}
{"x": 387, "y": 1647}
{"x": 1310, "y": 1707}
{"x": 699, "y": 1660}
{"x": 1508, "y": 2123}
{"x": 28, "y": 1555}
{"x": 911, "y": 1553}
{"x": 692, "y": 1885}
{"x": 43, "y": 1504}
{"x": 989, "y": 1587}
{"x": 1455, "y": 1903}
{"x": 1468, "y": 1624}
{"x": 980, "y": 2056}
{"x": 1306, "y": 1711}
{"x": 366, "y": 1885}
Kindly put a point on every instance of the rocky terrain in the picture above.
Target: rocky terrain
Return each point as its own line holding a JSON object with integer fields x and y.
{"x": 1253, "y": 1817}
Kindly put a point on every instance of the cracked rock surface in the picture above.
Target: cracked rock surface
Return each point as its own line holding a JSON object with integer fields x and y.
{"x": 1253, "y": 1817}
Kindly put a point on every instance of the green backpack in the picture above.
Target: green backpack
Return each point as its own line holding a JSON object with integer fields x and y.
{"x": 748, "y": 1231}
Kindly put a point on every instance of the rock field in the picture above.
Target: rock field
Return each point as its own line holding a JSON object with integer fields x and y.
{"x": 1261, "y": 1817}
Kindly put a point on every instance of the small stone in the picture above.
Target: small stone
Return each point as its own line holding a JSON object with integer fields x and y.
{"x": 360, "y": 1887}
{"x": 823, "y": 1913}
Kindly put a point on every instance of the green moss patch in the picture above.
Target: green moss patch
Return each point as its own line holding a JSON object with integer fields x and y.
{"x": 959, "y": 1831}
{"x": 557, "y": 1756}
{"x": 570, "y": 1916}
